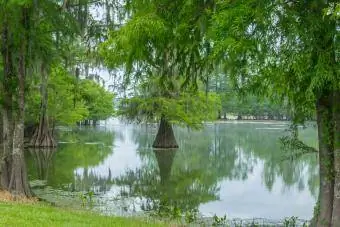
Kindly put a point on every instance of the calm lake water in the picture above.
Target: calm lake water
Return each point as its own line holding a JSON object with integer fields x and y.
{"x": 233, "y": 168}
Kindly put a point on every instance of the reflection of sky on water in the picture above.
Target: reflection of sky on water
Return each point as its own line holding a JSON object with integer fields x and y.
{"x": 123, "y": 156}
{"x": 251, "y": 199}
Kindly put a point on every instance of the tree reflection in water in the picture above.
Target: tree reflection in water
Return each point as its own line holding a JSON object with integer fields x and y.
{"x": 42, "y": 161}
{"x": 174, "y": 180}
{"x": 60, "y": 167}
{"x": 166, "y": 189}
{"x": 186, "y": 178}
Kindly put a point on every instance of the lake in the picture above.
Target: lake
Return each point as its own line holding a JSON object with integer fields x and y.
{"x": 233, "y": 168}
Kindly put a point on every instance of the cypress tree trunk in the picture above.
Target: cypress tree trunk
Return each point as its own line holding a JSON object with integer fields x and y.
{"x": 165, "y": 137}
{"x": 7, "y": 133}
{"x": 7, "y": 122}
{"x": 336, "y": 202}
{"x": 326, "y": 158}
{"x": 42, "y": 136}
{"x": 1, "y": 129}
{"x": 5, "y": 163}
{"x": 19, "y": 184}
{"x": 1, "y": 145}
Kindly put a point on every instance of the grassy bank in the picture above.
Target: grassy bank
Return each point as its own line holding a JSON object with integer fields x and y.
{"x": 37, "y": 214}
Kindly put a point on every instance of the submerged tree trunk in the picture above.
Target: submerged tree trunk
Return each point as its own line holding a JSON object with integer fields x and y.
{"x": 326, "y": 158}
{"x": 336, "y": 202}
{"x": 165, "y": 137}
{"x": 42, "y": 136}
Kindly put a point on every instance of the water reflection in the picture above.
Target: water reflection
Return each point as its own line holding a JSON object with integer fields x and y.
{"x": 166, "y": 187}
{"x": 42, "y": 162}
{"x": 238, "y": 169}
{"x": 79, "y": 149}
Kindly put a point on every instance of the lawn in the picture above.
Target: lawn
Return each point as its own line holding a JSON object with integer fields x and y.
{"x": 38, "y": 214}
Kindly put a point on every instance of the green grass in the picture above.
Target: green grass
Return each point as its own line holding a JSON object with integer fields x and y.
{"x": 18, "y": 214}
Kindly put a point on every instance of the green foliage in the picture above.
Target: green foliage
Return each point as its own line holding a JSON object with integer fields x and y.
{"x": 276, "y": 50}
{"x": 86, "y": 198}
{"x": 70, "y": 100}
{"x": 219, "y": 221}
{"x": 62, "y": 107}
{"x": 187, "y": 109}
{"x": 98, "y": 101}
{"x": 236, "y": 102}
{"x": 129, "y": 45}
{"x": 191, "y": 216}
{"x": 290, "y": 222}
{"x": 251, "y": 105}
{"x": 160, "y": 38}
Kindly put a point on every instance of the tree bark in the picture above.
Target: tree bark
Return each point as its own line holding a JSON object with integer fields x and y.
{"x": 7, "y": 148}
{"x": 7, "y": 122}
{"x": 42, "y": 136}
{"x": 165, "y": 137}
{"x": 19, "y": 185}
{"x": 326, "y": 159}
{"x": 336, "y": 202}
{"x": 1, "y": 131}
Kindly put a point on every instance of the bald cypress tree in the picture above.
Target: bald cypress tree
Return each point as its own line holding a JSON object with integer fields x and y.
{"x": 163, "y": 44}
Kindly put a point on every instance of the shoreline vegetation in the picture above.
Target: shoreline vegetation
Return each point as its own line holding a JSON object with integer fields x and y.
{"x": 33, "y": 213}
{"x": 22, "y": 211}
